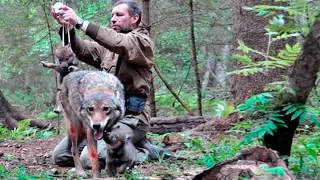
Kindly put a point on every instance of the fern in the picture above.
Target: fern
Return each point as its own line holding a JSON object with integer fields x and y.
{"x": 295, "y": 21}
{"x": 285, "y": 58}
{"x": 268, "y": 121}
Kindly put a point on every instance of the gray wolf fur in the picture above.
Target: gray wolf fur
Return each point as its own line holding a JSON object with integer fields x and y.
{"x": 121, "y": 153}
{"x": 91, "y": 101}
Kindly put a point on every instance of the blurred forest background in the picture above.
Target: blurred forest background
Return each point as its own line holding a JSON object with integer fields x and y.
{"x": 214, "y": 58}
{"x": 29, "y": 35}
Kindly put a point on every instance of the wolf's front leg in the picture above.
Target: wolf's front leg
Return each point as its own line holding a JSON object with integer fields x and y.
{"x": 124, "y": 167}
{"x": 92, "y": 148}
{"x": 76, "y": 135}
{"x": 56, "y": 67}
{"x": 111, "y": 169}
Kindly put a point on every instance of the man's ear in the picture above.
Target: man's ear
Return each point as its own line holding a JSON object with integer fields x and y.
{"x": 135, "y": 19}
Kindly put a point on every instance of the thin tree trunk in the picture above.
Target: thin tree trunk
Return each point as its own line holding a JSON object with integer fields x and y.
{"x": 194, "y": 59}
{"x": 172, "y": 92}
{"x": 302, "y": 79}
{"x": 146, "y": 22}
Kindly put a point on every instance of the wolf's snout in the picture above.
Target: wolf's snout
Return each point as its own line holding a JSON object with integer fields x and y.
{"x": 96, "y": 125}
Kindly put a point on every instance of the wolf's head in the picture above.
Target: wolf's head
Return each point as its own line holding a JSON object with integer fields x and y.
{"x": 101, "y": 110}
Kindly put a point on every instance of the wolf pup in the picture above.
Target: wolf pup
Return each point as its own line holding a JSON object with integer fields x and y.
{"x": 91, "y": 101}
{"x": 68, "y": 62}
{"x": 121, "y": 153}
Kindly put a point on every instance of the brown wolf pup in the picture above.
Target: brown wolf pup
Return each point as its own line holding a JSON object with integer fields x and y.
{"x": 121, "y": 153}
{"x": 68, "y": 62}
{"x": 91, "y": 101}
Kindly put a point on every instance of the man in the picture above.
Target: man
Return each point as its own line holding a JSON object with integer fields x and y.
{"x": 124, "y": 50}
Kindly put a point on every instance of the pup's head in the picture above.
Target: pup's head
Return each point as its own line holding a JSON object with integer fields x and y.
{"x": 101, "y": 111}
{"x": 116, "y": 138}
{"x": 66, "y": 56}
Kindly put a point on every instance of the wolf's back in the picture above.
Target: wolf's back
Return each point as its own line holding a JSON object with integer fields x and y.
{"x": 76, "y": 83}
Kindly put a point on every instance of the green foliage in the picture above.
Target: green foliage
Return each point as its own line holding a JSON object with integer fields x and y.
{"x": 49, "y": 115}
{"x": 22, "y": 173}
{"x": 285, "y": 58}
{"x": 304, "y": 159}
{"x": 211, "y": 153}
{"x": 274, "y": 170}
{"x": 241, "y": 127}
{"x": 24, "y": 131}
{"x": 211, "y": 106}
{"x": 292, "y": 21}
{"x": 132, "y": 174}
{"x": 3, "y": 132}
{"x": 31, "y": 100}
{"x": 268, "y": 120}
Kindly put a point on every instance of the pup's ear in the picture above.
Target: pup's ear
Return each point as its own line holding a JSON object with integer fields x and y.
{"x": 56, "y": 46}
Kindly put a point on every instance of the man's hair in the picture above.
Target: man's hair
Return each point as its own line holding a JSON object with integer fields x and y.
{"x": 133, "y": 8}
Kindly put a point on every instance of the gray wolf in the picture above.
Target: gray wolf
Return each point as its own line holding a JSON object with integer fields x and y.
{"x": 92, "y": 101}
{"x": 121, "y": 153}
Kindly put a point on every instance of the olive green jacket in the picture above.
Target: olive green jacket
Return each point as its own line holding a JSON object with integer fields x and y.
{"x": 129, "y": 56}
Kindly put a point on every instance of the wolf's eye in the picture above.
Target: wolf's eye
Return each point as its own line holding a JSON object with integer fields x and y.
{"x": 106, "y": 109}
{"x": 90, "y": 109}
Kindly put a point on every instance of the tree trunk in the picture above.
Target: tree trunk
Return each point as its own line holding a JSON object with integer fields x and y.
{"x": 163, "y": 125}
{"x": 302, "y": 79}
{"x": 194, "y": 59}
{"x": 9, "y": 116}
{"x": 146, "y": 22}
{"x": 251, "y": 29}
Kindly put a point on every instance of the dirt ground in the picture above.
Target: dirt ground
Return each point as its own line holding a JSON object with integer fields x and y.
{"x": 36, "y": 154}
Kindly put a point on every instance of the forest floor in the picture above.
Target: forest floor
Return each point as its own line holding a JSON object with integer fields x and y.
{"x": 35, "y": 155}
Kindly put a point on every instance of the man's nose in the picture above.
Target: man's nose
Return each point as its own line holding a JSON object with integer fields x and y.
{"x": 113, "y": 20}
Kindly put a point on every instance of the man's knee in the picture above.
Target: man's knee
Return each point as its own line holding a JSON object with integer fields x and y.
{"x": 85, "y": 160}
{"x": 62, "y": 159}
{"x": 133, "y": 127}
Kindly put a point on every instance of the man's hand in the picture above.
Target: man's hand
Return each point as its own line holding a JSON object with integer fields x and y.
{"x": 66, "y": 17}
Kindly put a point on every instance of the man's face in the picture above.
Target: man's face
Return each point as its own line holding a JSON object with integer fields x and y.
{"x": 121, "y": 19}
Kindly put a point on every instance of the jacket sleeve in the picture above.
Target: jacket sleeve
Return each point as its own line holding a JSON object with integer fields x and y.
{"x": 86, "y": 51}
{"x": 135, "y": 47}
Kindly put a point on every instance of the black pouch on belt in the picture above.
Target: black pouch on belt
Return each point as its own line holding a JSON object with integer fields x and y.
{"x": 135, "y": 105}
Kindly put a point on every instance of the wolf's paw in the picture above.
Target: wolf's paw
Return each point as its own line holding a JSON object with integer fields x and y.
{"x": 45, "y": 64}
